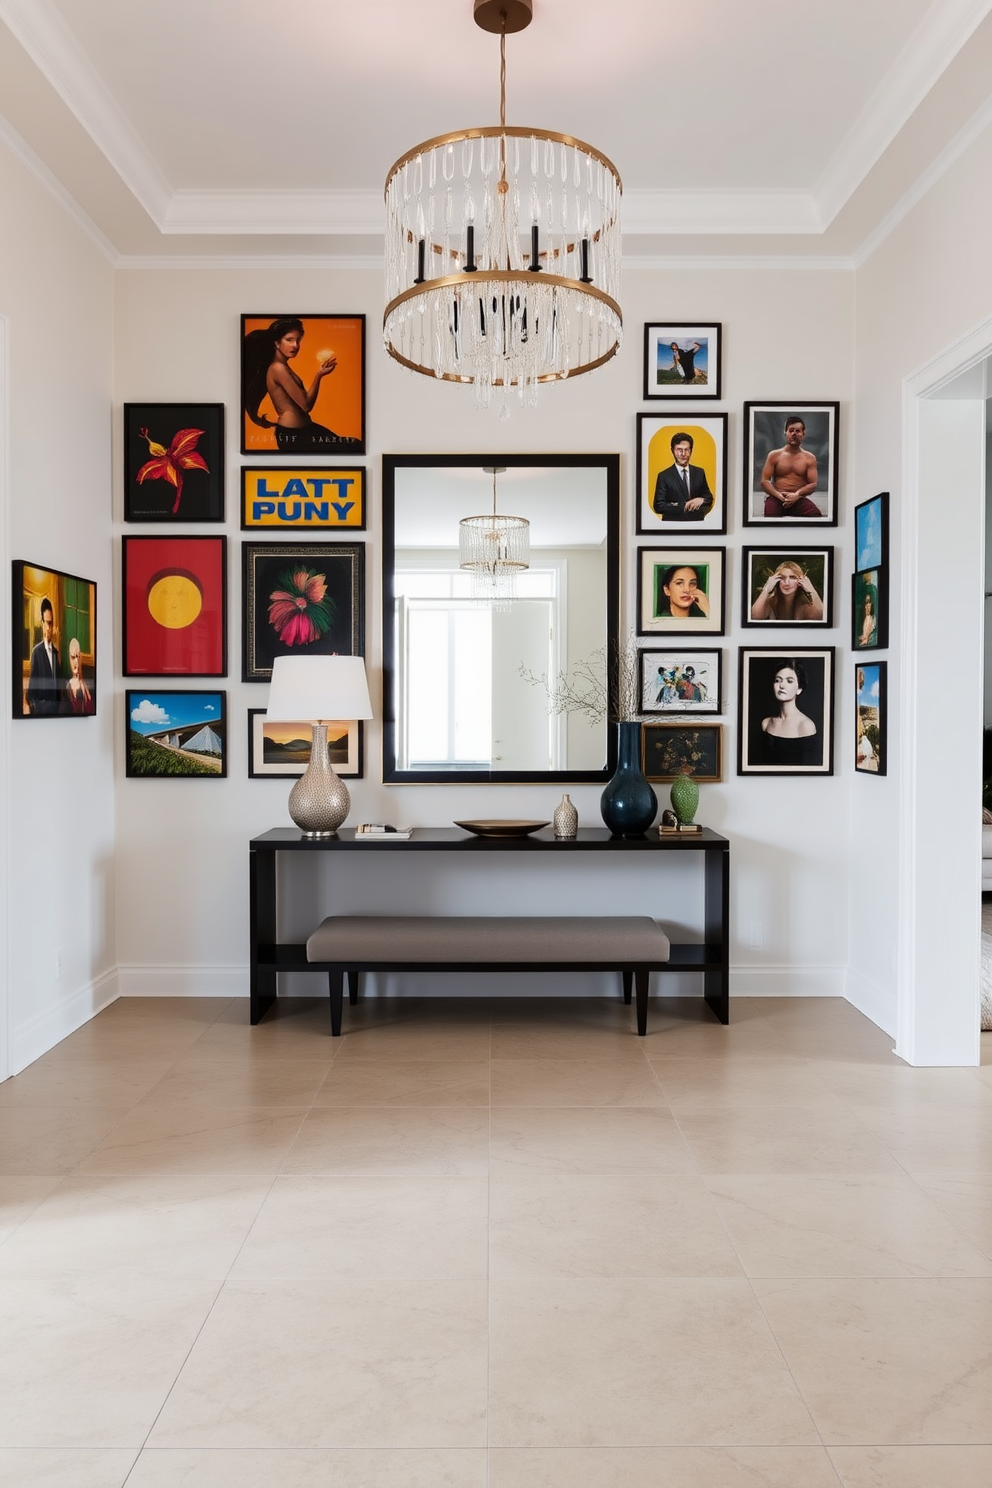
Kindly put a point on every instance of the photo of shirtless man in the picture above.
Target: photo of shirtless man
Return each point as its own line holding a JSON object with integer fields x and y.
{"x": 789, "y": 477}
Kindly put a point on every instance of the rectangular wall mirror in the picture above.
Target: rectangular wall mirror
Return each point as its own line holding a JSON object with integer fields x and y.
{"x": 456, "y": 706}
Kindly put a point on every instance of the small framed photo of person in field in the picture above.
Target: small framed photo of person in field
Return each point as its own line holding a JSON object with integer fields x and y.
{"x": 682, "y": 359}
{"x": 790, "y": 464}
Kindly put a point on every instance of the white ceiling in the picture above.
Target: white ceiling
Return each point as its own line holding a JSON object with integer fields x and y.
{"x": 243, "y": 127}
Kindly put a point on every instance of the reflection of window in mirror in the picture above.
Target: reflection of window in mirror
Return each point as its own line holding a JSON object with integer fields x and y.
{"x": 457, "y": 706}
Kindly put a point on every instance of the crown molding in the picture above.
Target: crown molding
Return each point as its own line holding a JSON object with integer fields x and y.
{"x": 716, "y": 212}
{"x": 36, "y": 167}
{"x": 275, "y": 213}
{"x": 976, "y": 126}
{"x": 40, "y": 30}
{"x": 941, "y": 34}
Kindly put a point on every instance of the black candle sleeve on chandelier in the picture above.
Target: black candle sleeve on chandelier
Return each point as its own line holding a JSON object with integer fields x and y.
{"x": 470, "y": 264}
{"x": 585, "y": 277}
{"x": 535, "y": 263}
{"x": 420, "y": 263}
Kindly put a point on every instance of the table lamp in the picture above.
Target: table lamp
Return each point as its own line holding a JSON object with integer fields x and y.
{"x": 318, "y": 690}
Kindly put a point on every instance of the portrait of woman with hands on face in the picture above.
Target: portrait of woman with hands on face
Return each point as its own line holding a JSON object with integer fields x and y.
{"x": 789, "y": 595}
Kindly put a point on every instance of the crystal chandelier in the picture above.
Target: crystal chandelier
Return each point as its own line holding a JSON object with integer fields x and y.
{"x": 503, "y": 250}
{"x": 494, "y": 549}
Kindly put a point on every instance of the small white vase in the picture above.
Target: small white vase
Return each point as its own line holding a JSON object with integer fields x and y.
{"x": 566, "y": 819}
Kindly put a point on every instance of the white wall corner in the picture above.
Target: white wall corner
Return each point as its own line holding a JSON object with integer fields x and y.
{"x": 46, "y": 1029}
{"x": 878, "y": 1003}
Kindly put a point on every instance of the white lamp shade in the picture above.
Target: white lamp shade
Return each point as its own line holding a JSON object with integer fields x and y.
{"x": 311, "y": 688}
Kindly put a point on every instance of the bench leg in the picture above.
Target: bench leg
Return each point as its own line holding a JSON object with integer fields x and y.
{"x": 335, "y": 986}
{"x": 641, "y": 982}
{"x": 628, "y": 982}
{"x": 354, "y": 983}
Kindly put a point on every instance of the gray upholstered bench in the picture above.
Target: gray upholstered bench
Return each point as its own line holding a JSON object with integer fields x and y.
{"x": 633, "y": 945}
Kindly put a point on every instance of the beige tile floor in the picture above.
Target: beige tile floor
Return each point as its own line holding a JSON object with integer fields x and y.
{"x": 494, "y": 1245}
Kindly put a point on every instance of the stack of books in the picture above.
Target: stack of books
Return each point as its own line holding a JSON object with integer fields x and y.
{"x": 381, "y": 832}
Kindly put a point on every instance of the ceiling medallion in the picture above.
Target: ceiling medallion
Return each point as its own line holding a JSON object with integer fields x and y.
{"x": 503, "y": 251}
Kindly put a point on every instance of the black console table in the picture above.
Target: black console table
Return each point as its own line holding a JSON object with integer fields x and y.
{"x": 269, "y": 955}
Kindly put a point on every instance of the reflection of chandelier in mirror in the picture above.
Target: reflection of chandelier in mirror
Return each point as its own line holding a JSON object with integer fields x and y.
{"x": 503, "y": 250}
{"x": 494, "y": 549}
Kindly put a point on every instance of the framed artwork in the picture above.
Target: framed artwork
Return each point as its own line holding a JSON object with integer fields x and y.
{"x": 787, "y": 586}
{"x": 174, "y": 606}
{"x": 173, "y": 462}
{"x": 176, "y": 734}
{"x": 682, "y": 360}
{"x": 681, "y": 473}
{"x": 674, "y": 749}
{"x": 679, "y": 681}
{"x": 785, "y": 719}
{"x": 306, "y": 499}
{"x": 871, "y": 532}
{"x": 680, "y": 591}
{"x": 870, "y": 609}
{"x": 870, "y": 717}
{"x": 301, "y": 598}
{"x": 302, "y": 385}
{"x": 283, "y": 749}
{"x": 53, "y": 633}
{"x": 791, "y": 464}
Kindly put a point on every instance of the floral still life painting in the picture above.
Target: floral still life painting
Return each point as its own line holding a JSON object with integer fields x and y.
{"x": 301, "y": 598}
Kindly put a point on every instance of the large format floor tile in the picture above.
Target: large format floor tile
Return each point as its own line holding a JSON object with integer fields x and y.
{"x": 888, "y": 1361}
{"x": 499, "y": 1243}
{"x": 346, "y": 1364}
{"x": 89, "y": 1363}
{"x": 640, "y": 1363}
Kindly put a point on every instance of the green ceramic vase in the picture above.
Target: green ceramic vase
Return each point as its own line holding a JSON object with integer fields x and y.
{"x": 685, "y": 799}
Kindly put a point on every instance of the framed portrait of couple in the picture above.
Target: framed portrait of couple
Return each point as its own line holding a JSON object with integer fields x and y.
{"x": 681, "y": 473}
{"x": 53, "y": 638}
{"x": 785, "y": 718}
{"x": 681, "y": 591}
{"x": 791, "y": 464}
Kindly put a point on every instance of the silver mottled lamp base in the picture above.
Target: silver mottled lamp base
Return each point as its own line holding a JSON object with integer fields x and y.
{"x": 319, "y": 801}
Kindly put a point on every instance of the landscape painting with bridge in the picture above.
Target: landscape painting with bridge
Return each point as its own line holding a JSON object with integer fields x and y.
{"x": 177, "y": 734}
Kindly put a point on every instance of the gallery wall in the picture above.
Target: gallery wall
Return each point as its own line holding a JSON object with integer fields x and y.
{"x": 182, "y": 846}
{"x": 56, "y": 295}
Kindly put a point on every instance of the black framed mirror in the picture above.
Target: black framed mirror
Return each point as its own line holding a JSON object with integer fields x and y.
{"x": 457, "y": 706}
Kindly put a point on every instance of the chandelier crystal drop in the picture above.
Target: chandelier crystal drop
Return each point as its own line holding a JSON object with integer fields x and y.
{"x": 503, "y": 251}
{"x": 494, "y": 549}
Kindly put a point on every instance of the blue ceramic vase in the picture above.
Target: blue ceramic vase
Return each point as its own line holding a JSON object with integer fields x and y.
{"x": 628, "y": 803}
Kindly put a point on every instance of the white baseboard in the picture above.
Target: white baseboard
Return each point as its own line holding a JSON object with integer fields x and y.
{"x": 46, "y": 1029}
{"x": 872, "y": 1000}
{"x": 787, "y": 981}
{"x": 182, "y": 981}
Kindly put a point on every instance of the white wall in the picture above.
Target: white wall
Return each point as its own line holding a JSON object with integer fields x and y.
{"x": 922, "y": 290}
{"x": 56, "y": 294}
{"x": 182, "y": 846}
